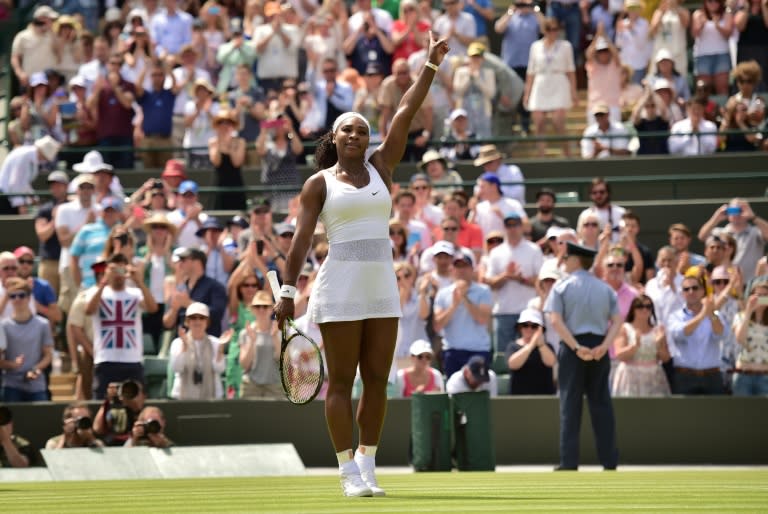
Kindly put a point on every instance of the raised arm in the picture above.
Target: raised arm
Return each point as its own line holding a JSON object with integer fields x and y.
{"x": 393, "y": 146}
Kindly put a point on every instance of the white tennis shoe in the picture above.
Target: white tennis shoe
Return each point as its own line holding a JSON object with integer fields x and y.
{"x": 352, "y": 483}
{"x": 367, "y": 467}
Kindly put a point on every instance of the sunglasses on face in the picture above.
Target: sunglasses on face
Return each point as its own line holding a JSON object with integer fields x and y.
{"x": 450, "y": 229}
{"x": 646, "y": 306}
{"x": 420, "y": 188}
{"x": 196, "y": 317}
{"x": 17, "y": 296}
{"x": 614, "y": 265}
{"x": 424, "y": 357}
{"x": 717, "y": 281}
{"x": 591, "y": 224}
{"x": 512, "y": 225}
{"x": 495, "y": 241}
{"x": 287, "y": 235}
{"x": 529, "y": 325}
{"x": 28, "y": 262}
{"x": 250, "y": 285}
{"x": 9, "y": 268}
{"x": 691, "y": 288}
{"x": 396, "y": 233}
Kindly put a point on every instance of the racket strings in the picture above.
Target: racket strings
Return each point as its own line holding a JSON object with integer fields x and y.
{"x": 301, "y": 369}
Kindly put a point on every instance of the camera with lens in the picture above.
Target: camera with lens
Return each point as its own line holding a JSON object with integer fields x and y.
{"x": 152, "y": 426}
{"x": 157, "y": 184}
{"x": 197, "y": 376}
{"x": 5, "y": 416}
{"x": 83, "y": 423}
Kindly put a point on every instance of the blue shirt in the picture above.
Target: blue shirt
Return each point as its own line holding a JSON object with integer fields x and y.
{"x": 158, "y": 112}
{"x": 585, "y": 303}
{"x": 481, "y": 23}
{"x": 170, "y": 33}
{"x": 43, "y": 292}
{"x": 367, "y": 51}
{"x": 701, "y": 349}
{"x": 462, "y": 332}
{"x": 522, "y": 31}
{"x": 87, "y": 246}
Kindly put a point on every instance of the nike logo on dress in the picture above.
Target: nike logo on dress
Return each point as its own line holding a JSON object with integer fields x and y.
{"x": 374, "y": 194}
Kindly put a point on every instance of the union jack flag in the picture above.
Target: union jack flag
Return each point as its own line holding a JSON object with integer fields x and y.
{"x": 117, "y": 322}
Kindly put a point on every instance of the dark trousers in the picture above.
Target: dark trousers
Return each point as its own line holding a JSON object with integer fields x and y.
{"x": 523, "y": 113}
{"x": 454, "y": 360}
{"x": 120, "y": 159}
{"x": 577, "y": 378}
{"x": 683, "y": 383}
{"x": 105, "y": 373}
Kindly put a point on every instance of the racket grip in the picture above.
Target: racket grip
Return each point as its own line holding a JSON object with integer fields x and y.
{"x": 274, "y": 284}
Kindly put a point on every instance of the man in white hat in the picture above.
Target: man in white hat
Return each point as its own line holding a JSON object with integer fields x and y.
{"x": 604, "y": 138}
{"x": 491, "y": 160}
{"x": 20, "y": 169}
{"x": 694, "y": 135}
{"x": 105, "y": 179}
{"x": 31, "y": 49}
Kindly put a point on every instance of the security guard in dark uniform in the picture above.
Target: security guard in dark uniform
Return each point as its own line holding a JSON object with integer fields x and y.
{"x": 581, "y": 308}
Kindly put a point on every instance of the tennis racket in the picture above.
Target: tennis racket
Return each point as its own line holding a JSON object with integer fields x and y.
{"x": 301, "y": 363}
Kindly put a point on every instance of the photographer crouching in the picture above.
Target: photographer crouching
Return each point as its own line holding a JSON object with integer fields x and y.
{"x": 77, "y": 430}
{"x": 149, "y": 430}
{"x": 120, "y": 410}
{"x": 15, "y": 451}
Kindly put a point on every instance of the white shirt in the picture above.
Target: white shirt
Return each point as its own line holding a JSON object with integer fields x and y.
{"x": 464, "y": 25}
{"x": 513, "y": 296}
{"x": 91, "y": 71}
{"x": 510, "y": 173}
{"x": 634, "y": 44}
{"x": 665, "y": 299}
{"x": 458, "y": 384}
{"x": 489, "y": 219}
{"x": 610, "y": 216}
{"x": 278, "y": 60}
{"x": 117, "y": 330}
{"x": 187, "y": 237}
{"x": 187, "y": 92}
{"x": 72, "y": 215}
{"x": 19, "y": 169}
{"x": 197, "y": 136}
{"x": 593, "y": 132}
{"x": 382, "y": 18}
{"x": 682, "y": 142}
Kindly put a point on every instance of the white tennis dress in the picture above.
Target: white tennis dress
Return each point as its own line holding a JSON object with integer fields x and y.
{"x": 357, "y": 279}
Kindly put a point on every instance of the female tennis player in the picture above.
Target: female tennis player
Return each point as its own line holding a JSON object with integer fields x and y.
{"x": 355, "y": 298}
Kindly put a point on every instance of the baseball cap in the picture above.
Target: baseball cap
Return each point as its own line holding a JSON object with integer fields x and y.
{"x": 601, "y": 44}
{"x": 420, "y": 346}
{"x": 531, "y": 316}
{"x": 510, "y": 216}
{"x": 284, "y": 228}
{"x": 188, "y": 186}
{"x": 239, "y": 221}
{"x": 549, "y": 270}
{"x": 491, "y": 178}
{"x": 23, "y": 250}
{"x": 478, "y": 368}
{"x": 456, "y": 113}
{"x": 112, "y": 202}
{"x": 174, "y": 168}
{"x": 601, "y": 108}
{"x": 211, "y": 223}
{"x": 198, "y": 309}
{"x": 719, "y": 273}
{"x": 465, "y": 255}
{"x": 38, "y": 79}
{"x": 260, "y": 202}
{"x": 443, "y": 247}
{"x": 58, "y": 176}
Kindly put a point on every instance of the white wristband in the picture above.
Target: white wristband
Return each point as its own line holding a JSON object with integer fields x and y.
{"x": 287, "y": 291}
{"x": 431, "y": 65}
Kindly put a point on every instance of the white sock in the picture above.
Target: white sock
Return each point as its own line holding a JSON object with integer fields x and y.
{"x": 344, "y": 457}
{"x": 368, "y": 451}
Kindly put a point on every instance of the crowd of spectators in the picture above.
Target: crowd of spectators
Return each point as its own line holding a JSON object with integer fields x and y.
{"x": 265, "y": 75}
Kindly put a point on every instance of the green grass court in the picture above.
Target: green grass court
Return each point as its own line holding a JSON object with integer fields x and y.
{"x": 716, "y": 491}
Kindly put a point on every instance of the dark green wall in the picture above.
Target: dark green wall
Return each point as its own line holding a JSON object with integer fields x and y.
{"x": 677, "y": 430}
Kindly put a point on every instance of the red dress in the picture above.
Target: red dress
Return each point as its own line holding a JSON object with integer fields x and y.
{"x": 408, "y": 45}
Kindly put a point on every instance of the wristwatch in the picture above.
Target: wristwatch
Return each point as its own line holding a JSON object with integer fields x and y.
{"x": 577, "y": 348}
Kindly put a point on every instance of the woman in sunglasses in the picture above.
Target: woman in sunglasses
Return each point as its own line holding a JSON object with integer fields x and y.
{"x": 641, "y": 346}
{"x": 530, "y": 357}
{"x": 420, "y": 377}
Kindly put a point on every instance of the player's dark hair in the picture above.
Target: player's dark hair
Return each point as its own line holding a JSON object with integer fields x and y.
{"x": 325, "y": 152}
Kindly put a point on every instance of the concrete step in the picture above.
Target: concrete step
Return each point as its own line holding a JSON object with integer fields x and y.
{"x": 62, "y": 386}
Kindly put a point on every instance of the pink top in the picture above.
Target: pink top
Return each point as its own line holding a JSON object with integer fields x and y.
{"x": 603, "y": 84}
{"x": 409, "y": 388}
